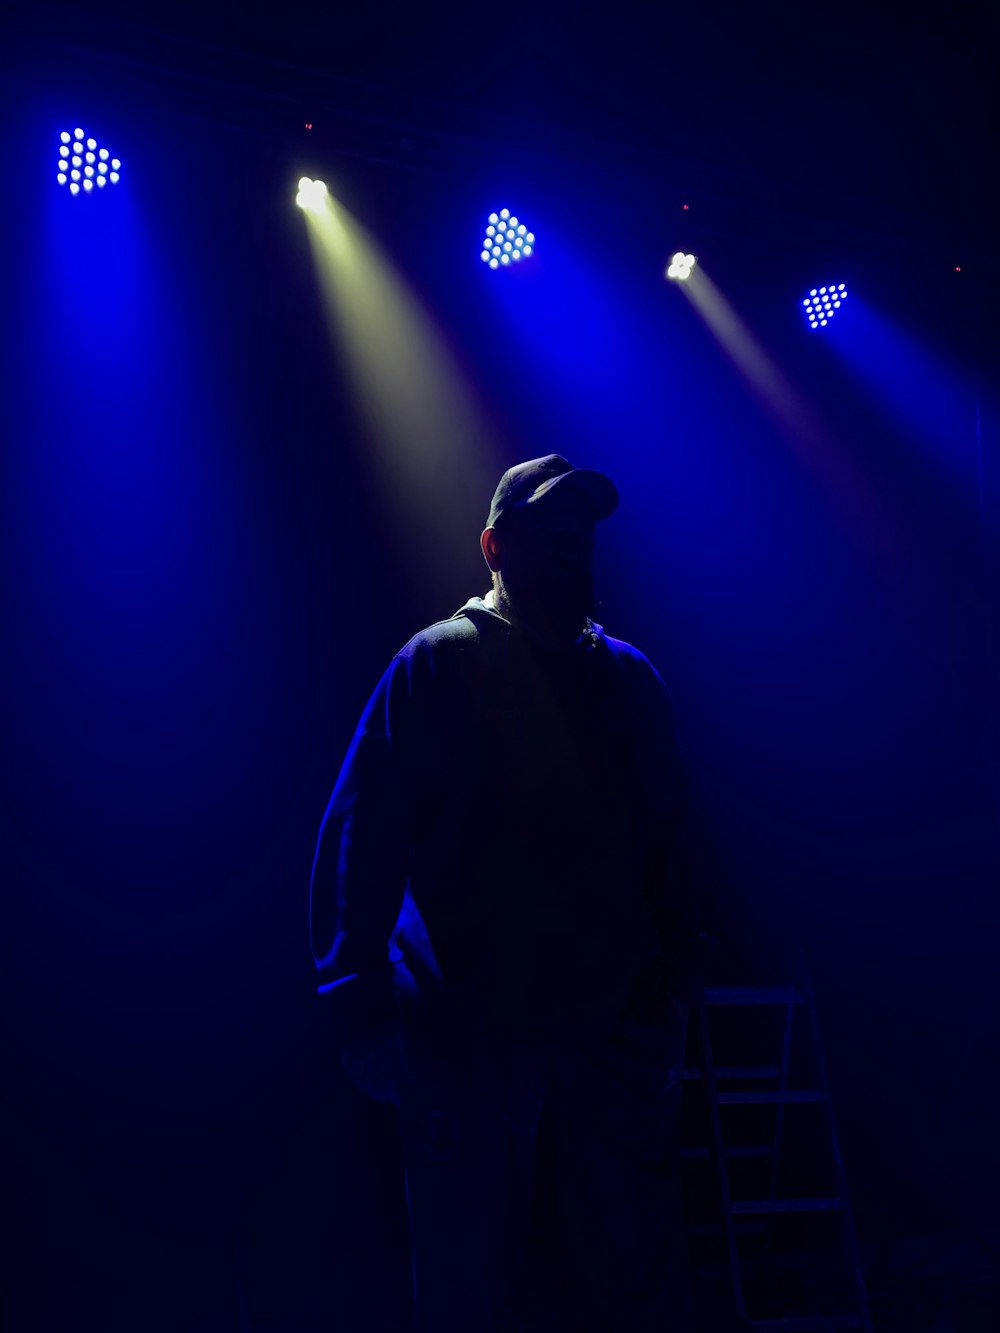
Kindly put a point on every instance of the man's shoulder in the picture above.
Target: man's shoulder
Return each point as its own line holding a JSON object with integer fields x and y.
{"x": 631, "y": 657}
{"x": 640, "y": 672}
{"x": 455, "y": 644}
{"x": 443, "y": 637}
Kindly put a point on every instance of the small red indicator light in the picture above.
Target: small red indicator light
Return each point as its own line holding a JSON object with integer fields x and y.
{"x": 309, "y": 124}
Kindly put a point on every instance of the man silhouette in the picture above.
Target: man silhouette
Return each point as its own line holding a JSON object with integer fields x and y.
{"x": 501, "y": 932}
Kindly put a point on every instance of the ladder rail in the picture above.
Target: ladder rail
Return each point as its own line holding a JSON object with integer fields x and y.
{"x": 791, "y": 997}
{"x": 779, "y": 1126}
{"x": 847, "y": 1216}
{"x": 712, "y": 1098}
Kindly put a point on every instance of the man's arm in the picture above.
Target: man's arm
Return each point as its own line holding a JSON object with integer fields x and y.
{"x": 360, "y": 867}
{"x": 672, "y": 887}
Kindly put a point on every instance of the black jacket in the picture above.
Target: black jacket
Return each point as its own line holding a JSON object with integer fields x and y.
{"x": 529, "y": 803}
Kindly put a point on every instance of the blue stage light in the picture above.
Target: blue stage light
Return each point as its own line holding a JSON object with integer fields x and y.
{"x": 76, "y": 152}
{"x": 506, "y": 240}
{"x": 822, "y": 304}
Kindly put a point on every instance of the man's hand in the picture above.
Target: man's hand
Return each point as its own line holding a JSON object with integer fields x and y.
{"x": 371, "y": 1036}
{"x": 377, "y": 1061}
{"x": 648, "y": 1056}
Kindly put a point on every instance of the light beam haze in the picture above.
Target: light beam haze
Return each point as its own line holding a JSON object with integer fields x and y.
{"x": 431, "y": 442}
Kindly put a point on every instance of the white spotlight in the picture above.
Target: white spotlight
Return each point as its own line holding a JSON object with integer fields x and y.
{"x": 680, "y": 266}
{"x": 311, "y": 194}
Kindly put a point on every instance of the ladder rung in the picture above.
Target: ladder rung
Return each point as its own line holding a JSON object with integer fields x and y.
{"x": 716, "y": 995}
{"x": 767, "y": 1098}
{"x": 824, "y": 1205}
{"x": 701, "y": 1154}
{"x": 807, "y": 1323}
{"x": 736, "y": 1071}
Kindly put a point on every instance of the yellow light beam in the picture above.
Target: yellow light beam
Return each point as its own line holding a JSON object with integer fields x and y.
{"x": 431, "y": 443}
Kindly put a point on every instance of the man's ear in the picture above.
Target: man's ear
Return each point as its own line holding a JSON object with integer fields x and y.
{"x": 492, "y": 548}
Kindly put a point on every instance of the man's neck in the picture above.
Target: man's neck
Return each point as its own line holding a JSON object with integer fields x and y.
{"x": 543, "y": 635}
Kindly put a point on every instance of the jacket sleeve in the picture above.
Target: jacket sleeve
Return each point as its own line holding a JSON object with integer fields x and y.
{"x": 360, "y": 866}
{"x": 670, "y": 887}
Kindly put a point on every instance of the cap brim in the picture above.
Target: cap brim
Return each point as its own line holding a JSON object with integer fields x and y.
{"x": 600, "y": 490}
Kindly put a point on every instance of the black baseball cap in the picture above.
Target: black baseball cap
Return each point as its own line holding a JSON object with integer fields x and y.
{"x": 528, "y": 483}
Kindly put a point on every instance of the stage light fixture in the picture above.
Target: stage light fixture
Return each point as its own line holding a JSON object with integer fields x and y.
{"x": 75, "y": 162}
{"x": 680, "y": 266}
{"x": 507, "y": 240}
{"x": 822, "y": 304}
{"x": 311, "y": 195}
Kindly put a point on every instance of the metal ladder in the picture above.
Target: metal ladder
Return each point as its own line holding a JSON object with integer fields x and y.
{"x": 760, "y": 1214}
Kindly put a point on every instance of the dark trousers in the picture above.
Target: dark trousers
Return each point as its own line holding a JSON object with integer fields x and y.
{"x": 542, "y": 1175}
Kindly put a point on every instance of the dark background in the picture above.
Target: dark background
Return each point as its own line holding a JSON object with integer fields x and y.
{"x": 204, "y": 580}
